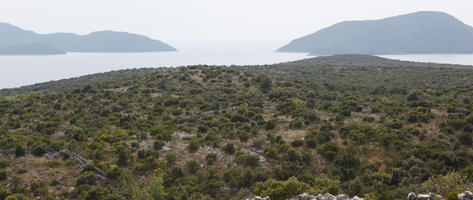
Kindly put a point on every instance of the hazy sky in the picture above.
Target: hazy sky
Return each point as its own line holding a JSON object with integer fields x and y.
{"x": 189, "y": 21}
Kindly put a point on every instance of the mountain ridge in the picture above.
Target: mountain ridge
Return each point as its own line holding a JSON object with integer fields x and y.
{"x": 98, "y": 41}
{"x": 419, "y": 32}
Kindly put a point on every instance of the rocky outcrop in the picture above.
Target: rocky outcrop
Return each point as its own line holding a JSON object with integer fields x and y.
{"x": 467, "y": 195}
{"x": 258, "y": 198}
{"x": 305, "y": 196}
{"x": 430, "y": 196}
{"x": 412, "y": 196}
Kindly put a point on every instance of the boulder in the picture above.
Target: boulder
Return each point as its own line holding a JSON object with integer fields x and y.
{"x": 304, "y": 196}
{"x": 258, "y": 198}
{"x": 342, "y": 197}
{"x": 467, "y": 195}
{"x": 430, "y": 196}
{"x": 435, "y": 196}
{"x": 423, "y": 197}
{"x": 412, "y": 196}
{"x": 329, "y": 197}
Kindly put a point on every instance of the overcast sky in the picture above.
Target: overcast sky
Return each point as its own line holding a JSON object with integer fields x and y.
{"x": 190, "y": 21}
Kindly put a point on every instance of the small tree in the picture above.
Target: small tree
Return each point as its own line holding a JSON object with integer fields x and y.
{"x": 192, "y": 166}
{"x": 158, "y": 145}
{"x": 171, "y": 158}
{"x": 229, "y": 148}
{"x": 3, "y": 175}
{"x": 211, "y": 158}
{"x": 19, "y": 151}
{"x": 413, "y": 97}
{"x": 265, "y": 84}
{"x": 193, "y": 146}
{"x": 39, "y": 150}
{"x": 466, "y": 138}
{"x": 270, "y": 125}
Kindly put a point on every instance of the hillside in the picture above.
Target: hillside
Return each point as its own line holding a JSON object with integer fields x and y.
{"x": 78, "y": 82}
{"x": 16, "y": 41}
{"x": 420, "y": 32}
{"x": 369, "y": 71}
{"x": 361, "y": 60}
{"x": 206, "y": 132}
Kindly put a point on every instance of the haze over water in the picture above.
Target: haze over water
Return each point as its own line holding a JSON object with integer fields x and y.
{"x": 16, "y": 71}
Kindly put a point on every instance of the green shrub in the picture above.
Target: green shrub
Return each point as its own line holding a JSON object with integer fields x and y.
{"x": 328, "y": 150}
{"x": 466, "y": 138}
{"x": 39, "y": 150}
{"x": 229, "y": 148}
{"x": 39, "y": 187}
{"x": 193, "y": 146}
{"x": 88, "y": 178}
{"x": 158, "y": 145}
{"x": 395, "y": 125}
{"x": 271, "y": 153}
{"x": 248, "y": 160}
{"x": 297, "y": 143}
{"x": 21, "y": 170}
{"x": 20, "y": 151}
{"x": 376, "y": 179}
{"x": 452, "y": 196}
{"x": 4, "y": 193}
{"x": 11, "y": 198}
{"x": 211, "y": 158}
{"x": 270, "y": 125}
{"x": 281, "y": 190}
{"x": 171, "y": 158}
{"x": 311, "y": 142}
{"x": 368, "y": 119}
{"x": 192, "y": 166}
{"x": 3, "y": 175}
{"x": 445, "y": 184}
{"x": 4, "y": 164}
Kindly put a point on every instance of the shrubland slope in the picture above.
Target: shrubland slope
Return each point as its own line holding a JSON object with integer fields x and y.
{"x": 207, "y": 132}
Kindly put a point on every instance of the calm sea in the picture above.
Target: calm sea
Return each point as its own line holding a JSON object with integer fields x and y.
{"x": 18, "y": 71}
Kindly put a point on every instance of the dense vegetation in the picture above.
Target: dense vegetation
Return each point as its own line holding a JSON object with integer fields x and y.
{"x": 205, "y": 132}
{"x": 370, "y": 71}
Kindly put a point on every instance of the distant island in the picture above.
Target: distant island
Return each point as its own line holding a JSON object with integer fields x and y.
{"x": 16, "y": 41}
{"x": 420, "y": 32}
{"x": 36, "y": 48}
